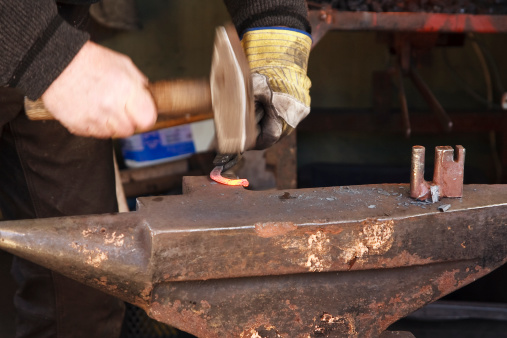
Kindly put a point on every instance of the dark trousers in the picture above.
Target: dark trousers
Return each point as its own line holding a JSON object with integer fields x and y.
{"x": 47, "y": 172}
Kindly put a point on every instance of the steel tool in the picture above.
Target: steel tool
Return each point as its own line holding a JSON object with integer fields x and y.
{"x": 447, "y": 175}
{"x": 227, "y": 93}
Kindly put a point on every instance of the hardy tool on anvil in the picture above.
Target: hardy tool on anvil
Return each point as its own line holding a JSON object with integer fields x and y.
{"x": 227, "y": 93}
{"x": 323, "y": 262}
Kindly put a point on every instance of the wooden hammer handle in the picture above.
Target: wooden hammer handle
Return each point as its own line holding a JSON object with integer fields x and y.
{"x": 172, "y": 98}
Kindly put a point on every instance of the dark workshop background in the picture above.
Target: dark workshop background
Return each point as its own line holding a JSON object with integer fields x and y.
{"x": 176, "y": 41}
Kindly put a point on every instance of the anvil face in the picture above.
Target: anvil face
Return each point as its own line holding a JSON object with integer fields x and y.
{"x": 226, "y": 262}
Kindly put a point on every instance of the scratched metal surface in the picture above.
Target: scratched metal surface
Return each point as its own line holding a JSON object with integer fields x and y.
{"x": 206, "y": 204}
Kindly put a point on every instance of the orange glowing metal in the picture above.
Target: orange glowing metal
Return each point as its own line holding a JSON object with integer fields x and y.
{"x": 217, "y": 177}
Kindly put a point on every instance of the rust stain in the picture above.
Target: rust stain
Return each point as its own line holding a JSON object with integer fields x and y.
{"x": 101, "y": 281}
{"x": 378, "y": 235}
{"x": 375, "y": 238}
{"x": 252, "y": 333}
{"x": 314, "y": 264}
{"x": 272, "y": 229}
{"x": 329, "y": 325}
{"x": 180, "y": 317}
{"x": 205, "y": 305}
{"x": 116, "y": 240}
{"x": 479, "y": 272}
{"x": 447, "y": 281}
{"x": 393, "y": 309}
{"x": 291, "y": 306}
{"x": 88, "y": 232}
{"x": 93, "y": 257}
{"x": 314, "y": 250}
{"x": 400, "y": 305}
{"x": 406, "y": 258}
{"x": 257, "y": 325}
{"x": 146, "y": 293}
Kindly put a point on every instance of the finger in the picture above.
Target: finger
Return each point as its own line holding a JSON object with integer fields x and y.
{"x": 270, "y": 132}
{"x": 89, "y": 131}
{"x": 259, "y": 111}
{"x": 121, "y": 126}
{"x": 141, "y": 109}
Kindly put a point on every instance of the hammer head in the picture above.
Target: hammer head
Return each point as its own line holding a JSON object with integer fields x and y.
{"x": 231, "y": 94}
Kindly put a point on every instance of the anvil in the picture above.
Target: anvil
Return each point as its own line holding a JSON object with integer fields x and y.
{"x": 223, "y": 261}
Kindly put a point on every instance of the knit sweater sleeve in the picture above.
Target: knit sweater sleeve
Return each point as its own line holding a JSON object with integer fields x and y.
{"x": 265, "y": 13}
{"x": 37, "y": 45}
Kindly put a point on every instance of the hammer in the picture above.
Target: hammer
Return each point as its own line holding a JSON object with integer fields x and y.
{"x": 227, "y": 93}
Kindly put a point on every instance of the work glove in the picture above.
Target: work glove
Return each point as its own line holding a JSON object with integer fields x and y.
{"x": 278, "y": 59}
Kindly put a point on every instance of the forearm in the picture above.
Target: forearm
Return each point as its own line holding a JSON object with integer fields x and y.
{"x": 36, "y": 43}
{"x": 268, "y": 13}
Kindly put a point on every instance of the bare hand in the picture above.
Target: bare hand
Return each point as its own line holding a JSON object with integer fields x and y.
{"x": 101, "y": 94}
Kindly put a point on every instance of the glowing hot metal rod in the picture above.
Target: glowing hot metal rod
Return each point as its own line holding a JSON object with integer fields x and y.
{"x": 216, "y": 175}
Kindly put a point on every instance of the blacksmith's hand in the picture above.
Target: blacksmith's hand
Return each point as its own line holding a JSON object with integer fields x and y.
{"x": 101, "y": 93}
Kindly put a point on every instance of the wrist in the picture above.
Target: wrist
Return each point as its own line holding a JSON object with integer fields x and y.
{"x": 281, "y": 28}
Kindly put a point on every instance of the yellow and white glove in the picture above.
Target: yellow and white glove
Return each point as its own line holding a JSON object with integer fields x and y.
{"x": 278, "y": 59}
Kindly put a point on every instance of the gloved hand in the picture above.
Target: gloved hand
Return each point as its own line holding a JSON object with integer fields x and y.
{"x": 278, "y": 59}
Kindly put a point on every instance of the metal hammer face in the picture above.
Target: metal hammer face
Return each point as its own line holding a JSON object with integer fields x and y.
{"x": 231, "y": 94}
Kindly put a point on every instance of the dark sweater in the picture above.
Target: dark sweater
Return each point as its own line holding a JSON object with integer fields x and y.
{"x": 36, "y": 44}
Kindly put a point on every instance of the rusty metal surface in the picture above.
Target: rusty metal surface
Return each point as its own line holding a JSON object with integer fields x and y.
{"x": 326, "y": 18}
{"x": 226, "y": 262}
{"x": 447, "y": 175}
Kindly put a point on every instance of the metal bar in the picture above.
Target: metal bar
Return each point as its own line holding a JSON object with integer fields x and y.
{"x": 419, "y": 188}
{"x": 448, "y": 173}
{"x": 226, "y": 262}
{"x": 431, "y": 100}
{"x": 407, "y": 21}
{"x": 403, "y": 102}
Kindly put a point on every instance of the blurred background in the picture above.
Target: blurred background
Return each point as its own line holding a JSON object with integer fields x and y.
{"x": 356, "y": 132}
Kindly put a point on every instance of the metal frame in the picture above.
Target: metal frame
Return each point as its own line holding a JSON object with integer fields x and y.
{"x": 326, "y": 18}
